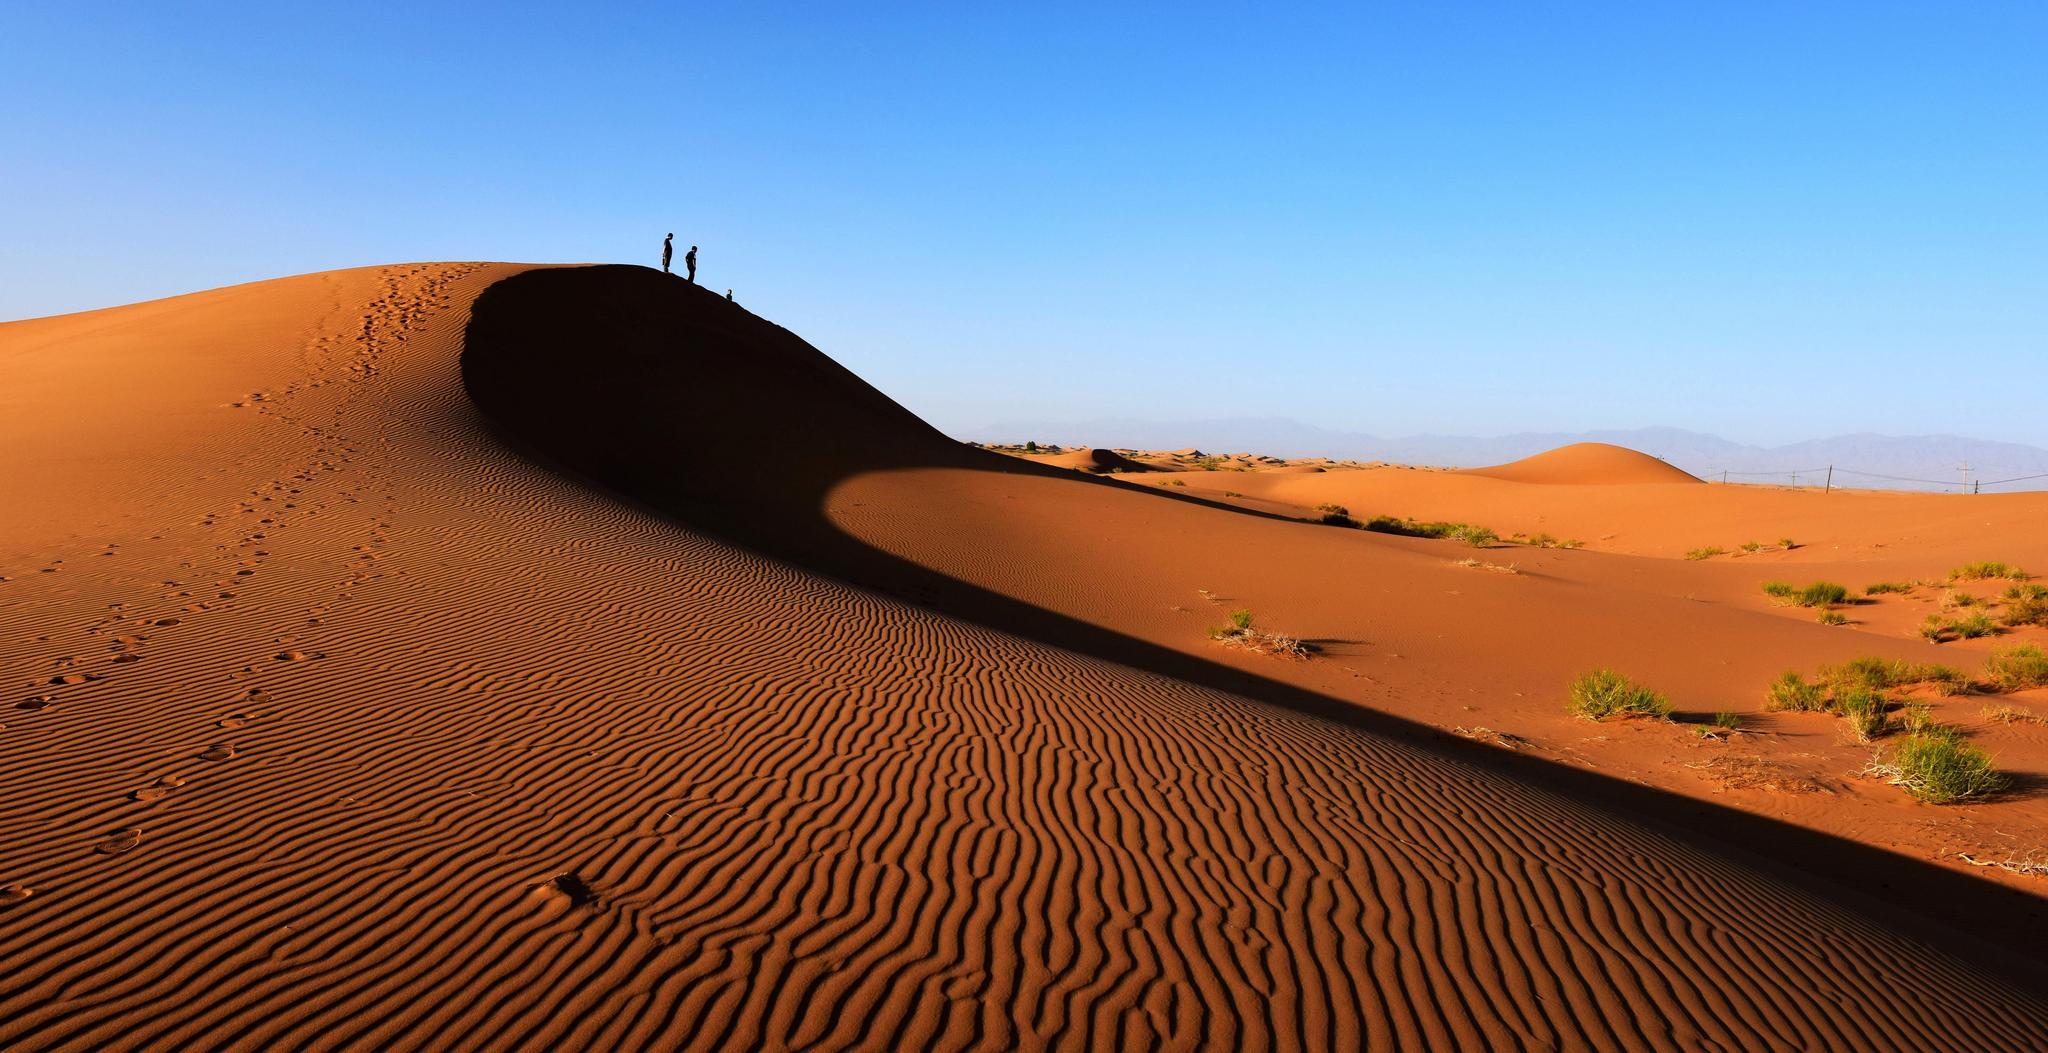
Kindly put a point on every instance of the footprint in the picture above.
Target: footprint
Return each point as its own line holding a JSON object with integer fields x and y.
{"x": 123, "y": 659}
{"x": 119, "y": 843}
{"x": 165, "y": 621}
{"x": 34, "y": 702}
{"x": 219, "y": 752}
{"x": 298, "y": 656}
{"x": 15, "y": 893}
{"x": 75, "y": 678}
{"x": 235, "y": 720}
{"x": 151, "y": 793}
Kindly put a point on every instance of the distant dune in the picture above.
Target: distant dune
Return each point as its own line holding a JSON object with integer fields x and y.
{"x": 1587, "y": 464}
{"x": 488, "y": 656}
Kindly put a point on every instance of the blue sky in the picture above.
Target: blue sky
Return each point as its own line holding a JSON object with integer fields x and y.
{"x": 1769, "y": 221}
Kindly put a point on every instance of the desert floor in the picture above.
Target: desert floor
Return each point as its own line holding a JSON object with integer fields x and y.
{"x": 489, "y": 656}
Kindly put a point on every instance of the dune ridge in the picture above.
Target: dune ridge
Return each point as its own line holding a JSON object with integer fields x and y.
{"x": 1587, "y": 464}
{"x": 519, "y": 764}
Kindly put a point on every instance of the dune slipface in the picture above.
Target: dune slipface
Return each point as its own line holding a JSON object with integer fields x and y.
{"x": 507, "y": 688}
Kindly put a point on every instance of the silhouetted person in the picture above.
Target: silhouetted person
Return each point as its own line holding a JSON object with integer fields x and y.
{"x": 668, "y": 251}
{"x": 690, "y": 262}
{"x": 728, "y": 296}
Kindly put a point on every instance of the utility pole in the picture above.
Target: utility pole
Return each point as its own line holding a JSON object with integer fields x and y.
{"x": 1724, "y": 477}
{"x": 1830, "y": 488}
{"x": 1966, "y": 475}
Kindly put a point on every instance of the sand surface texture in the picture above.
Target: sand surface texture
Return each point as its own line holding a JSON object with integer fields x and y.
{"x": 475, "y": 656}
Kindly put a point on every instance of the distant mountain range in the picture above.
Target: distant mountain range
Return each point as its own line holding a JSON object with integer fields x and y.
{"x": 1904, "y": 462}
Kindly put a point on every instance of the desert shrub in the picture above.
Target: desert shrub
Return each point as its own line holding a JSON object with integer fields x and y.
{"x": 1973, "y": 626}
{"x": 1916, "y": 718}
{"x": 1336, "y": 515}
{"x": 1823, "y": 594}
{"x": 1752, "y": 546}
{"x": 1937, "y": 766}
{"x": 1986, "y": 569}
{"x": 1786, "y": 544}
{"x": 1707, "y": 552}
{"x": 1477, "y": 536}
{"x": 2017, "y": 668}
{"x": 1240, "y": 632}
{"x": 1936, "y": 629}
{"x": 1571, "y": 543}
{"x": 1232, "y": 493}
{"x": 2026, "y": 605}
{"x": 1031, "y": 447}
{"x": 1539, "y": 541}
{"x": 1783, "y": 590}
{"x": 1864, "y": 709}
{"x": 1955, "y": 598}
{"x": 1832, "y": 617}
{"x": 1604, "y": 693}
{"x": 1881, "y": 673}
{"x": 1792, "y": 692}
{"x": 1728, "y": 721}
{"x": 1886, "y": 586}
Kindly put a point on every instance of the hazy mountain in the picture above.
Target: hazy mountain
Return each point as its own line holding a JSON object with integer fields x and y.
{"x": 1915, "y": 462}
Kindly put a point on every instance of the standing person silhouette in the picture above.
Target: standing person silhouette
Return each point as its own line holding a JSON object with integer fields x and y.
{"x": 668, "y": 251}
{"x": 690, "y": 262}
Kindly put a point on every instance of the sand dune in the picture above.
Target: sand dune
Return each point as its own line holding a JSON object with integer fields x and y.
{"x": 1096, "y": 462}
{"x": 469, "y": 655}
{"x": 1587, "y": 464}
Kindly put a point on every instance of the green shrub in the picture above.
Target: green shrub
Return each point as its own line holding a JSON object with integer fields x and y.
{"x": 1783, "y": 590}
{"x": 1973, "y": 626}
{"x": 1936, "y": 629}
{"x": 1604, "y": 693}
{"x": 1988, "y": 569}
{"x": 1477, "y": 536}
{"x": 1832, "y": 617}
{"x": 1938, "y": 767}
{"x": 1336, "y": 515}
{"x": 1728, "y": 721}
{"x": 1709, "y": 552}
{"x": 1792, "y": 692}
{"x": 1864, "y": 709}
{"x": 1823, "y": 594}
{"x": 1571, "y": 543}
{"x": 1240, "y": 623}
{"x": 1786, "y": 544}
{"x": 2017, "y": 668}
{"x": 1886, "y": 586}
{"x": 1752, "y": 546}
{"x": 1031, "y": 447}
{"x": 1539, "y": 541}
{"x": 1955, "y": 598}
{"x": 2026, "y": 605}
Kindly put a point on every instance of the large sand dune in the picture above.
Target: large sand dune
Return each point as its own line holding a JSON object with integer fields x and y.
{"x": 474, "y": 656}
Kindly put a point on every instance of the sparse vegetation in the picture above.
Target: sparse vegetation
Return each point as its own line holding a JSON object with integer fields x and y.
{"x": 1884, "y": 673}
{"x": 1791, "y": 692}
{"x": 1728, "y": 721}
{"x": 1240, "y": 632}
{"x": 1411, "y": 528}
{"x": 1832, "y": 617}
{"x": 2025, "y": 605}
{"x": 1479, "y": 564}
{"x": 1477, "y": 536}
{"x": 1030, "y": 446}
{"x": 1864, "y": 709}
{"x": 1232, "y": 493}
{"x": 2017, "y": 668}
{"x": 1887, "y": 586}
{"x": 1954, "y": 598}
{"x": 1571, "y": 543}
{"x": 1987, "y": 569}
{"x": 1336, "y": 515}
{"x": 2005, "y": 713}
{"x": 1605, "y": 693}
{"x": 1786, "y": 544}
{"x": 1941, "y": 630}
{"x": 1823, "y": 594}
{"x": 1783, "y": 590}
{"x": 1535, "y": 540}
{"x": 1707, "y": 552}
{"x": 1937, "y": 766}
{"x": 1751, "y": 546}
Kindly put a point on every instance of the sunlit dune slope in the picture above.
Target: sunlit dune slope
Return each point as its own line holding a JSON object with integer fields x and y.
{"x": 510, "y": 675}
{"x": 1587, "y": 464}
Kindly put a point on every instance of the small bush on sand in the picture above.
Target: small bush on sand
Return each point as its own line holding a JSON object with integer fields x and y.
{"x": 1728, "y": 721}
{"x": 1706, "y": 552}
{"x": 1571, "y": 543}
{"x": 1881, "y": 673}
{"x": 1935, "y": 629}
{"x": 1240, "y": 632}
{"x": 1887, "y": 586}
{"x": 1957, "y": 598}
{"x": 1865, "y": 711}
{"x": 1477, "y": 536}
{"x": 1752, "y": 546}
{"x": 1782, "y": 590}
{"x": 1973, "y": 626}
{"x": 1605, "y": 693}
{"x": 1536, "y": 540}
{"x": 2017, "y": 668}
{"x": 1937, "y": 766}
{"x": 1986, "y": 569}
{"x": 2026, "y": 605}
{"x": 1832, "y": 617}
{"x": 1786, "y": 544}
{"x": 1823, "y": 594}
{"x": 1336, "y": 515}
{"x": 1792, "y": 692}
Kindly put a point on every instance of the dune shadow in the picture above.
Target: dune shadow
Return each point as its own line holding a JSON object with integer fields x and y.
{"x": 671, "y": 399}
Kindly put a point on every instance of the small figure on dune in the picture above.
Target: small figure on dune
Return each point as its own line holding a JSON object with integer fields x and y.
{"x": 690, "y": 262}
{"x": 728, "y": 296}
{"x": 668, "y": 251}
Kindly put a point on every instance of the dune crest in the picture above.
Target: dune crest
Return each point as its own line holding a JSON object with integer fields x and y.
{"x": 1587, "y": 464}
{"x": 495, "y": 681}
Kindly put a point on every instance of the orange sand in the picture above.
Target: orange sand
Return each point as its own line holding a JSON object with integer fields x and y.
{"x": 459, "y": 655}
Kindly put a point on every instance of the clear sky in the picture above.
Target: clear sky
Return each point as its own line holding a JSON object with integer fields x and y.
{"x": 1772, "y": 221}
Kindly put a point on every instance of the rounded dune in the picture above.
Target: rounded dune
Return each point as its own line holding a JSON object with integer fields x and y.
{"x": 1096, "y": 461}
{"x": 1587, "y": 464}
{"x": 563, "y": 716}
